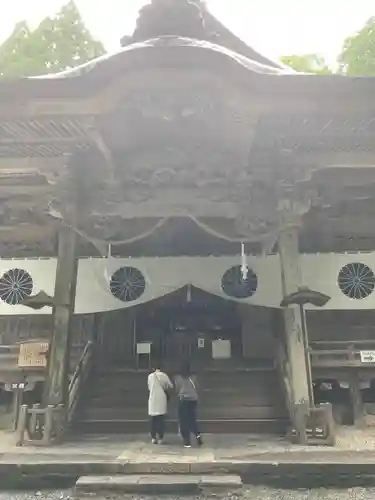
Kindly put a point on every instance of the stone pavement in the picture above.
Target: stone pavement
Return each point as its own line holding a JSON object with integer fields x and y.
{"x": 217, "y": 448}
{"x": 138, "y": 449}
{"x": 256, "y": 459}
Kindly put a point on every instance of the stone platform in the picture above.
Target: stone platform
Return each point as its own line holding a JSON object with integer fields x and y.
{"x": 257, "y": 459}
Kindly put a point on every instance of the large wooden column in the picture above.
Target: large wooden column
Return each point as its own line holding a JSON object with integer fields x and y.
{"x": 57, "y": 382}
{"x": 296, "y": 366}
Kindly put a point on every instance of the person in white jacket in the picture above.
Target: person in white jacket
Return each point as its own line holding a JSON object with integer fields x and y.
{"x": 159, "y": 387}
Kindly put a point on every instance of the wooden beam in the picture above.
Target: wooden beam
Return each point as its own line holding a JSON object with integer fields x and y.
{"x": 297, "y": 369}
{"x": 42, "y": 165}
{"x": 41, "y": 141}
{"x": 356, "y": 399}
{"x": 56, "y": 387}
{"x": 354, "y": 226}
{"x": 333, "y": 159}
{"x": 345, "y": 176}
{"x": 31, "y": 191}
{"x": 26, "y": 232}
{"x": 48, "y": 107}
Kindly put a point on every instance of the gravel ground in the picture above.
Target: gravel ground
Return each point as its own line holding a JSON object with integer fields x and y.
{"x": 255, "y": 493}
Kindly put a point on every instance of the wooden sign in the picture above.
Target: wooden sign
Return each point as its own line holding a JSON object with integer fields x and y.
{"x": 221, "y": 349}
{"x": 367, "y": 356}
{"x": 144, "y": 348}
{"x": 15, "y": 386}
{"x": 33, "y": 355}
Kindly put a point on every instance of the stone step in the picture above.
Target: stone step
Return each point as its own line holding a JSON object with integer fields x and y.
{"x": 159, "y": 484}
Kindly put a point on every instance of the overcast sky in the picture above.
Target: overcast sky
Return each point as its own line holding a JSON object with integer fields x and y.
{"x": 274, "y": 27}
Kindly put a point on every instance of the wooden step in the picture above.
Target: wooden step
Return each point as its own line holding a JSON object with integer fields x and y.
{"x": 209, "y": 375}
{"x": 231, "y": 401}
{"x": 234, "y": 368}
{"x": 222, "y": 386}
{"x": 207, "y": 399}
{"x": 239, "y": 412}
{"x": 217, "y": 426}
{"x": 204, "y": 405}
{"x": 266, "y": 376}
{"x": 227, "y": 389}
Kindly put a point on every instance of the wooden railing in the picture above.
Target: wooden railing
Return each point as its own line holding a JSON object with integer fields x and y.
{"x": 46, "y": 426}
{"x": 340, "y": 353}
{"x": 79, "y": 377}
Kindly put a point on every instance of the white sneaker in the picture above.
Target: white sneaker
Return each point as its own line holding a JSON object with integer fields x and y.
{"x": 160, "y": 441}
{"x": 154, "y": 441}
{"x": 187, "y": 445}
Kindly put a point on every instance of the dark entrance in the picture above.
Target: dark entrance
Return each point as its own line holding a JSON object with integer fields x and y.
{"x": 186, "y": 324}
{"x": 236, "y": 396}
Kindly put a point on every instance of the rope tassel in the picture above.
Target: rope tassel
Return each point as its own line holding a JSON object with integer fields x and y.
{"x": 244, "y": 268}
{"x": 107, "y": 275}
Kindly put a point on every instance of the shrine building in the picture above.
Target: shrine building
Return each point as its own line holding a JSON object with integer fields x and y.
{"x": 167, "y": 202}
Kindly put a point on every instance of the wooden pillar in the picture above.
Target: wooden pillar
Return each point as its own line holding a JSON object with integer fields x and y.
{"x": 57, "y": 383}
{"x": 358, "y": 408}
{"x": 297, "y": 375}
{"x": 355, "y": 393}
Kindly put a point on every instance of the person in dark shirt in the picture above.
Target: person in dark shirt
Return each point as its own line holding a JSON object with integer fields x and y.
{"x": 186, "y": 386}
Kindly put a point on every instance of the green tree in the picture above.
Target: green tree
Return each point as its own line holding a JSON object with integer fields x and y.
{"x": 358, "y": 54}
{"x": 307, "y": 63}
{"x": 58, "y": 43}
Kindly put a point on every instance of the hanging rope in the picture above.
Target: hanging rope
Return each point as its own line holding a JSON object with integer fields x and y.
{"x": 205, "y": 227}
{"x": 99, "y": 241}
{"x": 267, "y": 241}
{"x": 104, "y": 247}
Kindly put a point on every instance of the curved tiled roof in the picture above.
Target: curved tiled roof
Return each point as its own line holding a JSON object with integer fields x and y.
{"x": 175, "y": 52}
{"x": 171, "y": 41}
{"x": 234, "y": 43}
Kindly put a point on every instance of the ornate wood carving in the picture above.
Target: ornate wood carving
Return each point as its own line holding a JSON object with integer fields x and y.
{"x": 279, "y": 194}
{"x": 46, "y": 136}
{"x": 317, "y": 132}
{"x": 184, "y": 142}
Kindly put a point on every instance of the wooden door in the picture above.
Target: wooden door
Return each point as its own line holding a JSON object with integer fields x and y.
{"x": 116, "y": 338}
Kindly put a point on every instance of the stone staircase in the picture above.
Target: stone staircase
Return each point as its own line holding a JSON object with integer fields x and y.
{"x": 231, "y": 401}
